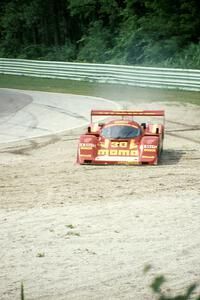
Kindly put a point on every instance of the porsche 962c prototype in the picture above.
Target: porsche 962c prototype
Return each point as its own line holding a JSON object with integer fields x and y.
{"x": 122, "y": 141}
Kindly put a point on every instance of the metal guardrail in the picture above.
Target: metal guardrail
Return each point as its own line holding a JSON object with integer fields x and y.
{"x": 185, "y": 79}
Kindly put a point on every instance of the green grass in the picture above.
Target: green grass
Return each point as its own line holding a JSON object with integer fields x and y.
{"x": 109, "y": 91}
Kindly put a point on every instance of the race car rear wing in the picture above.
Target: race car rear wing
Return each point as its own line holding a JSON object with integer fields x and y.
{"x": 123, "y": 113}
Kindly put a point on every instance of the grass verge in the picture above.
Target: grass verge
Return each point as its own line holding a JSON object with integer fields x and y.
{"x": 110, "y": 91}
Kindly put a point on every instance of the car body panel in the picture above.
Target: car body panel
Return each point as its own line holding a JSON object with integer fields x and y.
{"x": 144, "y": 147}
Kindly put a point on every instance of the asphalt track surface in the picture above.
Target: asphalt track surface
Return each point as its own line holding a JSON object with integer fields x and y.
{"x": 28, "y": 114}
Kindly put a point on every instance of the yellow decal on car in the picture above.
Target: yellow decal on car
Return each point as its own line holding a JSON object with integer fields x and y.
{"x": 113, "y": 152}
{"x": 124, "y": 152}
{"x": 132, "y": 144}
{"x": 134, "y": 152}
{"x": 103, "y": 152}
{"x": 105, "y": 144}
{"x": 119, "y": 144}
{"x": 150, "y": 150}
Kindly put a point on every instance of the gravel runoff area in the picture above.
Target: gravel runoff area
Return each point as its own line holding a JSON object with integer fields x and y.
{"x": 86, "y": 232}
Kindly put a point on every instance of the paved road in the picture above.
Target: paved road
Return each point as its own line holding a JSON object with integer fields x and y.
{"x": 27, "y": 114}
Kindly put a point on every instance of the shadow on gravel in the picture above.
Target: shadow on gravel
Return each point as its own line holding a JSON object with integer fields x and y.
{"x": 171, "y": 156}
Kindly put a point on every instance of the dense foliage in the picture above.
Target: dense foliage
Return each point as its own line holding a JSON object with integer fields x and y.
{"x": 138, "y": 32}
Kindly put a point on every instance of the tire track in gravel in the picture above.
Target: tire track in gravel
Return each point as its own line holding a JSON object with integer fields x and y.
{"x": 188, "y": 127}
{"x": 183, "y": 137}
{"x": 65, "y": 112}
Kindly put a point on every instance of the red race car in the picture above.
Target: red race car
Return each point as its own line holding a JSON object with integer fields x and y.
{"x": 122, "y": 141}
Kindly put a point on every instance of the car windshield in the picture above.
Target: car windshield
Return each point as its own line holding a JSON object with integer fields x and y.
{"x": 120, "y": 132}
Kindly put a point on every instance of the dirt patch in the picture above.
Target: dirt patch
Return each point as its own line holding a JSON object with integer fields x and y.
{"x": 86, "y": 232}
